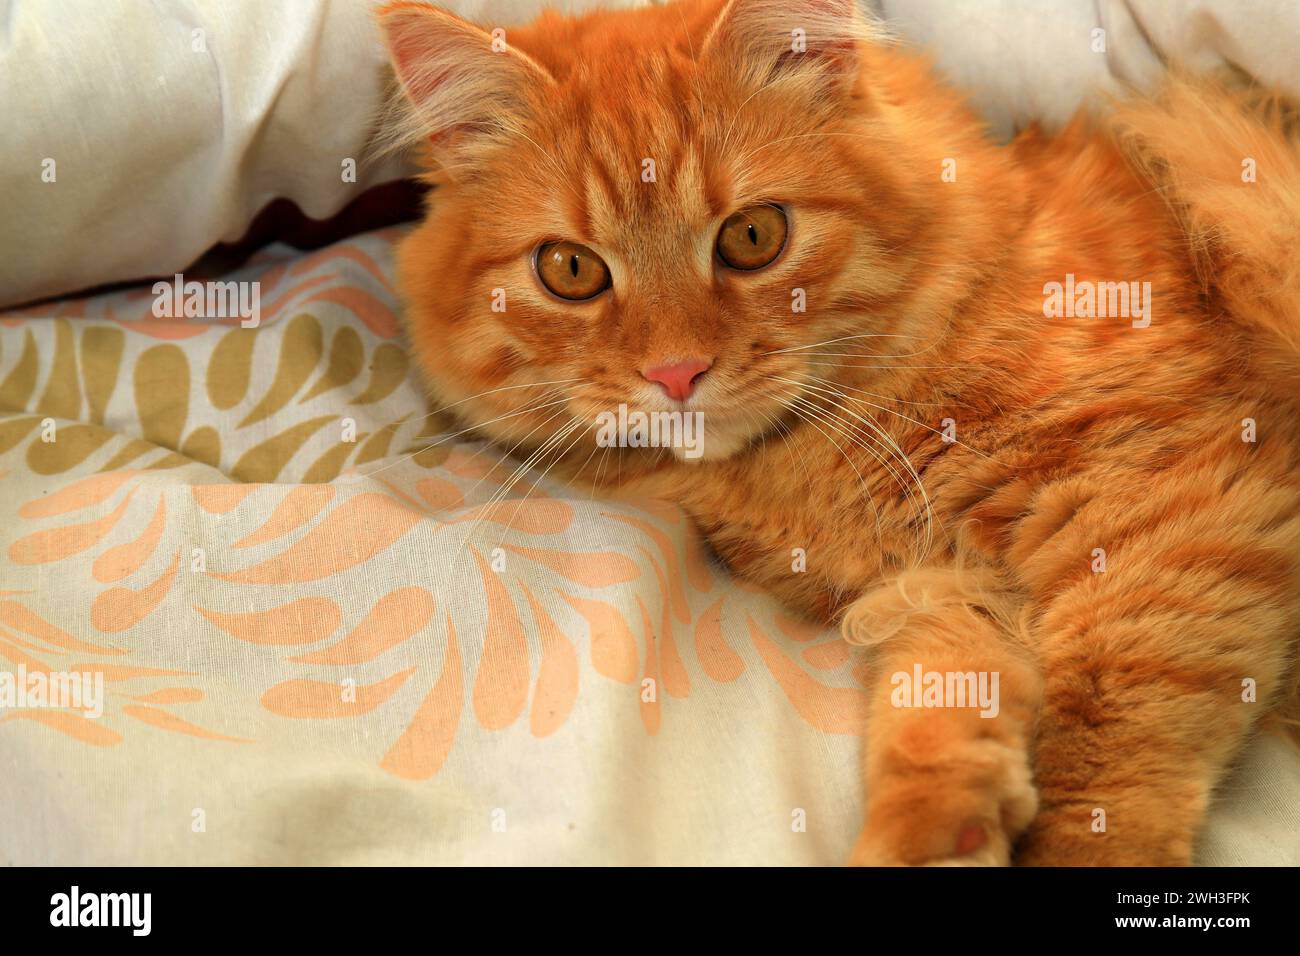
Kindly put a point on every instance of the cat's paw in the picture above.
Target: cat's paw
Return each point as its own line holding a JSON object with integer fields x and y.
{"x": 966, "y": 808}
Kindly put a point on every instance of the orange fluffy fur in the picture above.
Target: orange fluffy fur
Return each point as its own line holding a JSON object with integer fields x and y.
{"x": 1120, "y": 690}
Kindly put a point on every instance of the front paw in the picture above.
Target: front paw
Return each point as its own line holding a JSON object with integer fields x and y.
{"x": 964, "y": 806}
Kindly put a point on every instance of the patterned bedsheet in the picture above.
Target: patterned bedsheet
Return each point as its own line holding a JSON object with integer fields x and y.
{"x": 301, "y": 633}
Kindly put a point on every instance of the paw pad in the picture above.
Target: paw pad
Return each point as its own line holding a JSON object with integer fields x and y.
{"x": 971, "y": 838}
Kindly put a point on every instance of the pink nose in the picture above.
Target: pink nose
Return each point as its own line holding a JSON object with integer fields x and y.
{"x": 679, "y": 378}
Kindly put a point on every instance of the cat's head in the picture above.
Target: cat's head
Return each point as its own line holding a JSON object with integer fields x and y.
{"x": 667, "y": 208}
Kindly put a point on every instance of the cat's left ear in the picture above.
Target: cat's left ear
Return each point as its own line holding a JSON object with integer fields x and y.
{"x": 461, "y": 82}
{"x": 814, "y": 39}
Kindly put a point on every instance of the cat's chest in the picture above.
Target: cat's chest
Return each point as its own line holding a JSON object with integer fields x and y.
{"x": 812, "y": 522}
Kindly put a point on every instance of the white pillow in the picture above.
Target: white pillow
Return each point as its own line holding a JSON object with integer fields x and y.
{"x": 164, "y": 127}
{"x": 1039, "y": 60}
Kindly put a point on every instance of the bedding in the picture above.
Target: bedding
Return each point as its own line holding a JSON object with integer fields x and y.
{"x": 1037, "y": 61}
{"x": 320, "y": 643}
{"x": 223, "y": 107}
{"x": 118, "y": 168}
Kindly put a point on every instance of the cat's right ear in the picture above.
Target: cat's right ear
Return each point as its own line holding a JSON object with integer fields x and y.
{"x": 460, "y": 83}
{"x": 811, "y": 41}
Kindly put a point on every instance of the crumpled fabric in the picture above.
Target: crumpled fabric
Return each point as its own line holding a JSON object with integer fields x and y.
{"x": 1026, "y": 61}
{"x": 221, "y": 107}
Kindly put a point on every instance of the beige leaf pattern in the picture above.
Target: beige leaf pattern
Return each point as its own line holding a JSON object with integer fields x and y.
{"x": 299, "y": 353}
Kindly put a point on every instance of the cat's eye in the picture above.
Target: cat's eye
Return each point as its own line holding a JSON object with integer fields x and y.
{"x": 752, "y": 238}
{"x": 571, "y": 271}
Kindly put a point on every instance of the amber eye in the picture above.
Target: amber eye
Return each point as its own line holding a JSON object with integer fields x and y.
{"x": 752, "y": 238}
{"x": 571, "y": 271}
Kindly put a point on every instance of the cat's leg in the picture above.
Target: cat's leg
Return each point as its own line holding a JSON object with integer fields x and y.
{"x": 1157, "y": 667}
{"x": 946, "y": 785}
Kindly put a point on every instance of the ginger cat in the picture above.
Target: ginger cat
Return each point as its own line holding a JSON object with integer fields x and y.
{"x": 916, "y": 361}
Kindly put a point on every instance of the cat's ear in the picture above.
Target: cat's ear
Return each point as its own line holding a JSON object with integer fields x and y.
{"x": 459, "y": 81}
{"x": 815, "y": 39}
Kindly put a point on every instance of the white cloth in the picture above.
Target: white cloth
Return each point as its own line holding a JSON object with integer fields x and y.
{"x": 216, "y": 107}
{"x": 172, "y": 123}
{"x": 1039, "y": 60}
